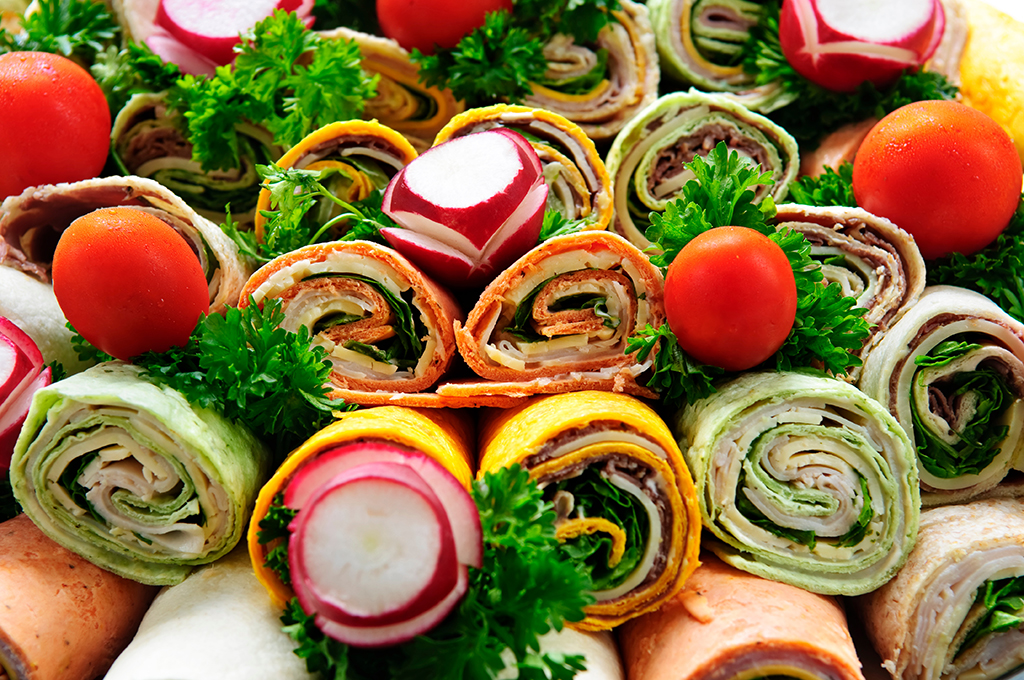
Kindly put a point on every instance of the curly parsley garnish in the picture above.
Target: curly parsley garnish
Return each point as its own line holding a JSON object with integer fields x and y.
{"x": 76, "y": 29}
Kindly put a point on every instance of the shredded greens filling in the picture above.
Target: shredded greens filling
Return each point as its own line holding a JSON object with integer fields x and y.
{"x": 980, "y": 438}
{"x": 521, "y": 326}
{"x": 1004, "y": 604}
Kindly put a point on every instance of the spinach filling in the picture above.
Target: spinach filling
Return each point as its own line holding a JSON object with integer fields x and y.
{"x": 69, "y": 480}
{"x": 405, "y": 348}
{"x": 1004, "y": 604}
{"x": 522, "y": 328}
{"x": 852, "y": 537}
{"x": 980, "y": 439}
{"x": 596, "y": 496}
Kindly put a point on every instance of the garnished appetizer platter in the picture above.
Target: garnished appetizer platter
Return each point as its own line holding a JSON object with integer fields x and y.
{"x": 487, "y": 339}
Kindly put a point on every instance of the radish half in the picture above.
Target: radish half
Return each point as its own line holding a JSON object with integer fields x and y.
{"x": 21, "y": 374}
{"x": 840, "y": 44}
{"x": 212, "y": 27}
{"x": 469, "y": 207}
{"x": 381, "y": 543}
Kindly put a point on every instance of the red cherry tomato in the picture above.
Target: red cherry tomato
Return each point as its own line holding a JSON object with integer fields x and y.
{"x": 54, "y": 122}
{"x": 128, "y": 282}
{"x": 730, "y": 297}
{"x": 944, "y": 172}
{"x": 421, "y": 24}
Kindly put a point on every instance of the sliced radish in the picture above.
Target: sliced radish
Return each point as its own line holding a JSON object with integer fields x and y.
{"x": 21, "y": 374}
{"x": 458, "y": 504}
{"x": 840, "y": 44}
{"x": 473, "y": 202}
{"x": 212, "y": 27}
{"x": 13, "y": 413}
{"x": 373, "y": 548}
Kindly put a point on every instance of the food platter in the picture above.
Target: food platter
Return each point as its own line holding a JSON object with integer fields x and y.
{"x": 453, "y": 307}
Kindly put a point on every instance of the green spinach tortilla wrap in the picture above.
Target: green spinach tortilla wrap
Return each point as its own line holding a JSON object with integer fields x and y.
{"x": 803, "y": 479}
{"x": 952, "y": 373}
{"x": 132, "y": 477}
{"x": 647, "y": 159}
{"x": 700, "y": 42}
{"x": 955, "y": 610}
{"x": 148, "y": 140}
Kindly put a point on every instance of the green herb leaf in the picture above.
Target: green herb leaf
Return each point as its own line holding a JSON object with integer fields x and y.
{"x": 828, "y": 188}
{"x": 76, "y": 29}
{"x": 1004, "y": 601}
{"x": 677, "y": 377}
{"x": 355, "y": 14}
{"x": 274, "y": 527}
{"x": 556, "y": 224}
{"x": 134, "y": 69}
{"x": 85, "y": 350}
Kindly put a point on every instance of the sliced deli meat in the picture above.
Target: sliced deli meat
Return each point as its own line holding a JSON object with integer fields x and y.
{"x": 631, "y": 74}
{"x": 132, "y": 477}
{"x": 730, "y": 625}
{"x": 625, "y": 503}
{"x": 646, "y": 161}
{"x": 803, "y": 479}
{"x": 386, "y": 328}
{"x": 954, "y": 610}
{"x": 559, "y": 319}
{"x": 32, "y": 222}
{"x": 952, "y": 373}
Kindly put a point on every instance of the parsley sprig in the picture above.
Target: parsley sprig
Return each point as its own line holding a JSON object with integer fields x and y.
{"x": 285, "y": 78}
{"x": 501, "y": 59}
{"x": 526, "y": 588}
{"x": 251, "y": 370}
{"x": 816, "y": 111}
{"x": 828, "y": 327}
{"x": 121, "y": 73}
{"x": 829, "y": 188}
{"x": 77, "y": 29}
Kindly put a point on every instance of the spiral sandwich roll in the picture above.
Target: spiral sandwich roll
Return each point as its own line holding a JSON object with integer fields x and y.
{"x": 625, "y": 502}
{"x": 132, "y": 477}
{"x": 804, "y": 480}
{"x": 952, "y": 373}
{"x": 954, "y": 610}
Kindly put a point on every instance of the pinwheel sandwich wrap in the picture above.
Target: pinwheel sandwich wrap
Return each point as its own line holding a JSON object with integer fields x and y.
{"x": 954, "y": 610}
{"x": 148, "y": 140}
{"x": 803, "y": 479}
{"x": 355, "y": 158}
{"x": 952, "y": 373}
{"x": 625, "y": 50}
{"x": 869, "y": 257}
{"x": 31, "y": 224}
{"x": 626, "y": 505}
{"x": 647, "y": 159}
{"x": 439, "y": 434}
{"x": 402, "y": 102}
{"x": 559, "y": 319}
{"x": 217, "y": 623}
{"x": 132, "y": 477}
{"x": 386, "y": 328}
{"x": 62, "y": 618}
{"x": 579, "y": 187}
{"x": 730, "y": 625}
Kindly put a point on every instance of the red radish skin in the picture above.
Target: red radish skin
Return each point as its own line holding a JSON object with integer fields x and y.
{"x": 13, "y": 414}
{"x": 21, "y": 374}
{"x": 839, "y": 44}
{"x": 474, "y": 204}
{"x": 458, "y": 504}
{"x": 373, "y": 548}
{"x": 211, "y": 27}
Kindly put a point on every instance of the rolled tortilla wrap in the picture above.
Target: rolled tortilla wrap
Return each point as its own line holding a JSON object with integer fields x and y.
{"x": 869, "y": 257}
{"x": 559, "y": 318}
{"x": 933, "y": 620}
{"x": 402, "y": 102}
{"x": 387, "y": 329}
{"x": 364, "y": 156}
{"x": 646, "y": 159}
{"x": 962, "y": 407}
{"x": 132, "y": 477}
{"x": 62, "y": 618}
{"x": 700, "y": 43}
{"x": 439, "y": 434}
{"x": 217, "y": 623}
{"x": 804, "y": 480}
{"x": 148, "y": 140}
{"x": 578, "y": 183}
{"x": 631, "y": 74}
{"x": 627, "y": 510}
{"x": 729, "y": 625}
{"x": 31, "y": 224}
